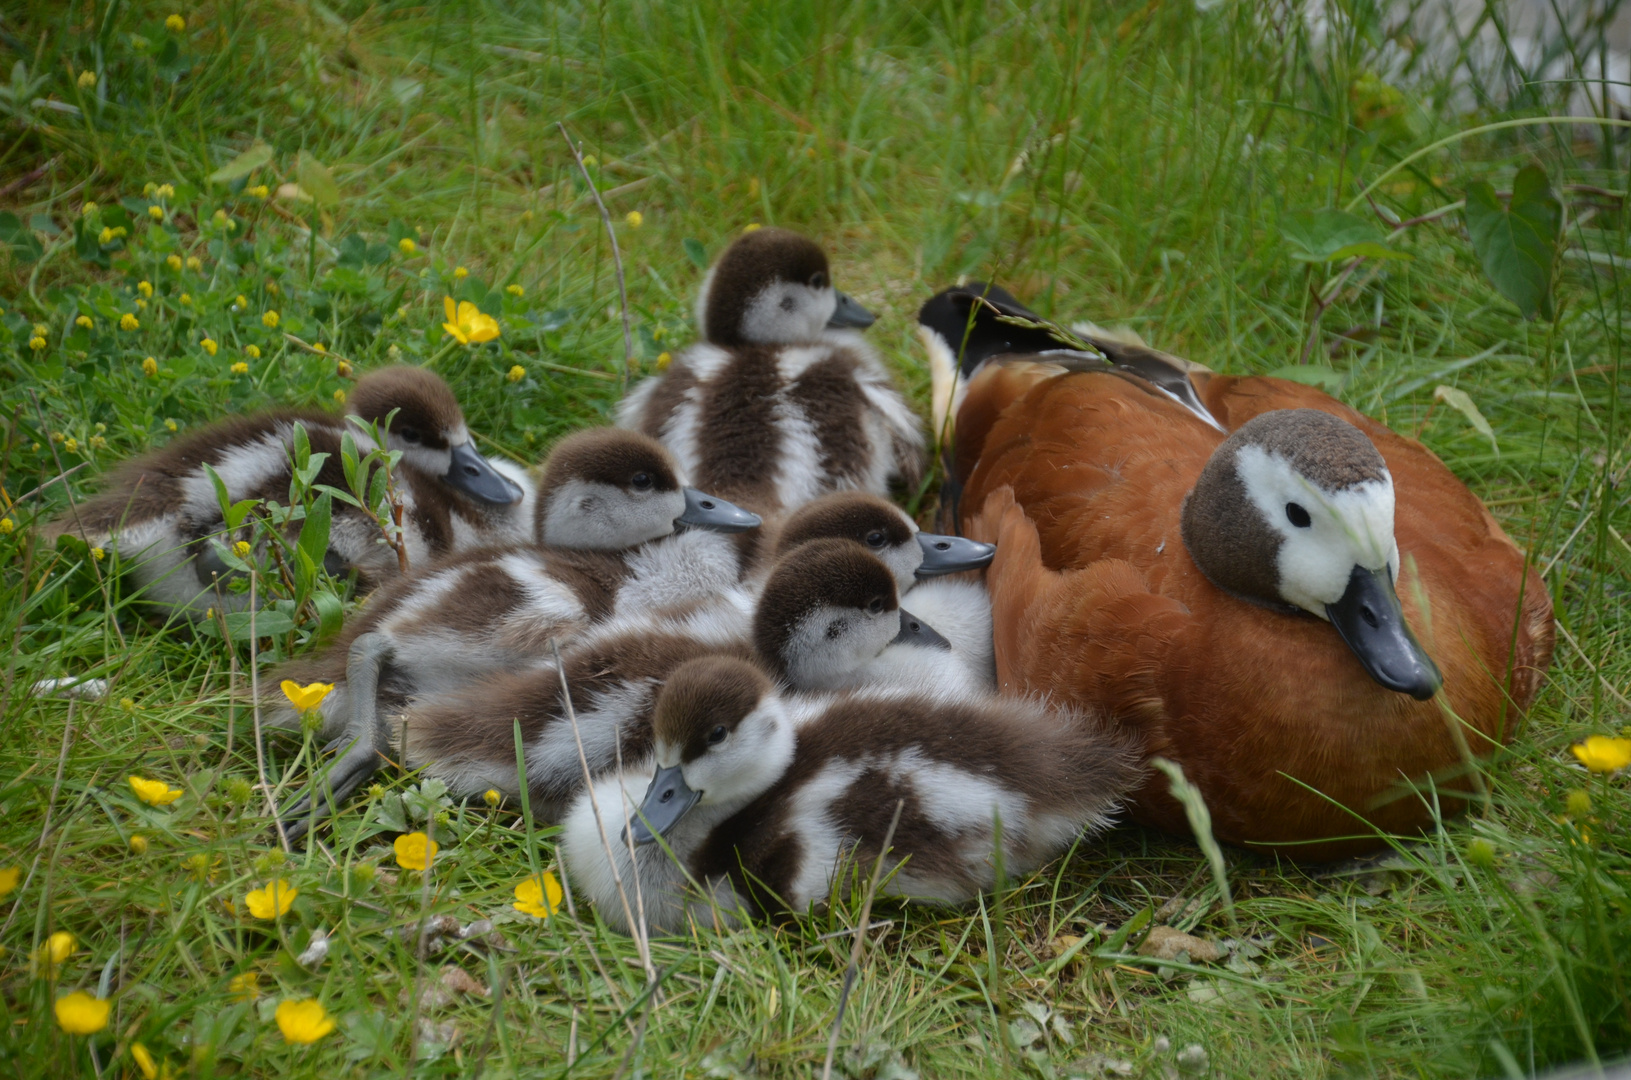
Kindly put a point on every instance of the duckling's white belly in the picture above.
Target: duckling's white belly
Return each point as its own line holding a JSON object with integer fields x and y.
{"x": 690, "y": 567}
{"x": 960, "y": 611}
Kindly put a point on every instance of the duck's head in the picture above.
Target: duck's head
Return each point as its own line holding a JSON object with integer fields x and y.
{"x": 828, "y": 607}
{"x": 608, "y": 489}
{"x": 721, "y": 738}
{"x": 1296, "y": 509}
{"x": 773, "y": 287}
{"x": 430, "y": 431}
{"x": 883, "y": 529}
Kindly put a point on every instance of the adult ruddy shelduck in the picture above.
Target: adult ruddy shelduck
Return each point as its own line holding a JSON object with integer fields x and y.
{"x": 1307, "y": 611}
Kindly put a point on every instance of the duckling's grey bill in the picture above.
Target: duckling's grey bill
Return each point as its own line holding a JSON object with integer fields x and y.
{"x": 1372, "y": 624}
{"x": 850, "y": 315}
{"x": 475, "y": 476}
{"x": 949, "y": 554}
{"x": 914, "y": 631}
{"x": 704, "y": 511}
{"x": 667, "y": 800}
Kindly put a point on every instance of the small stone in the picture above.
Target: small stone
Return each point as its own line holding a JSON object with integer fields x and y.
{"x": 459, "y": 981}
{"x": 315, "y": 953}
{"x": 1166, "y": 943}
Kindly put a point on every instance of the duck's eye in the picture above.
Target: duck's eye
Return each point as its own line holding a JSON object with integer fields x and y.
{"x": 408, "y": 434}
{"x": 818, "y": 280}
{"x": 876, "y": 605}
{"x": 1298, "y": 516}
{"x": 716, "y": 736}
{"x": 875, "y": 538}
{"x": 641, "y": 481}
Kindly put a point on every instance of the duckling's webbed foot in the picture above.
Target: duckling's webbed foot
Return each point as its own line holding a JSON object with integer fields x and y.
{"x": 365, "y": 737}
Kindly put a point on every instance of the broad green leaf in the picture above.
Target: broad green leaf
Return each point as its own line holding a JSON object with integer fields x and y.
{"x": 330, "y": 613}
{"x": 694, "y": 251}
{"x": 242, "y": 165}
{"x": 268, "y": 623}
{"x": 1517, "y": 243}
{"x": 1333, "y": 235}
{"x": 239, "y": 510}
{"x": 1327, "y": 379}
{"x": 222, "y": 496}
{"x": 315, "y": 180}
{"x": 1463, "y": 404}
{"x": 314, "y": 532}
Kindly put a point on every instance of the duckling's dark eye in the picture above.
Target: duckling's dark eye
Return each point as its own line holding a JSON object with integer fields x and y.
{"x": 1298, "y": 516}
{"x": 876, "y": 605}
{"x": 408, "y": 434}
{"x": 818, "y": 280}
{"x": 641, "y": 481}
{"x": 716, "y": 736}
{"x": 875, "y": 538}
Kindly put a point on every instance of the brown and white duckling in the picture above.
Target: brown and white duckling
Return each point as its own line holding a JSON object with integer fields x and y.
{"x": 162, "y": 513}
{"x": 782, "y": 400}
{"x": 616, "y": 531}
{"x": 762, "y": 799}
{"x": 883, "y": 529}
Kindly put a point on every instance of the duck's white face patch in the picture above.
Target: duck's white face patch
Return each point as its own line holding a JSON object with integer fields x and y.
{"x": 1345, "y": 528}
{"x": 743, "y": 766}
{"x": 591, "y": 516}
{"x": 829, "y": 643}
{"x": 787, "y": 312}
{"x": 430, "y": 461}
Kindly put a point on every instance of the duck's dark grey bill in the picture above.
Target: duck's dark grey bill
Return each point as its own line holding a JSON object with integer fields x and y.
{"x": 850, "y": 314}
{"x": 667, "y": 800}
{"x": 914, "y": 631}
{"x": 704, "y": 511}
{"x": 949, "y": 554}
{"x": 475, "y": 476}
{"x": 1371, "y": 622}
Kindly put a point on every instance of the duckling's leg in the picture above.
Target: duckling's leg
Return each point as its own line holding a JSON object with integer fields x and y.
{"x": 366, "y": 735}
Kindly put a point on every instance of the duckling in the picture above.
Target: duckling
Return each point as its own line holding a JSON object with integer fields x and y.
{"x": 161, "y": 510}
{"x": 883, "y": 529}
{"x": 827, "y": 617}
{"x": 1251, "y": 596}
{"x": 616, "y": 531}
{"x": 782, "y": 400}
{"x": 762, "y": 799}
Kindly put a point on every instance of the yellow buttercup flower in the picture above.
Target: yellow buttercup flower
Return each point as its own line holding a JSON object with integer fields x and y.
{"x": 303, "y": 1021}
{"x": 172, "y": 261}
{"x": 406, "y": 246}
{"x": 663, "y": 360}
{"x": 127, "y": 321}
{"x": 491, "y": 797}
{"x": 85, "y": 321}
{"x": 241, "y": 548}
{"x": 516, "y": 373}
{"x": 245, "y": 987}
{"x": 1603, "y": 753}
{"x": 57, "y": 948}
{"x": 271, "y": 900}
{"x": 460, "y": 273}
{"x": 467, "y": 324}
{"x": 343, "y": 368}
{"x": 252, "y": 351}
{"x": 175, "y": 24}
{"x": 6, "y": 524}
{"x": 415, "y": 851}
{"x": 79, "y": 1013}
{"x": 259, "y": 191}
{"x": 154, "y": 792}
{"x": 9, "y": 877}
{"x": 515, "y": 290}
{"x": 538, "y": 897}
{"x": 138, "y": 844}
{"x": 319, "y": 347}
{"x": 308, "y": 697}
{"x": 270, "y": 320}
{"x": 240, "y": 368}
{"x": 170, "y": 425}
{"x": 240, "y": 303}
{"x": 635, "y": 219}
{"x": 150, "y": 367}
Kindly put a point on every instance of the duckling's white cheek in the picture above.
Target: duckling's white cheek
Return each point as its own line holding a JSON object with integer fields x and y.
{"x": 903, "y": 561}
{"x": 592, "y": 516}
{"x": 829, "y": 643}
{"x": 750, "y": 759}
{"x": 426, "y": 460}
{"x": 784, "y": 313}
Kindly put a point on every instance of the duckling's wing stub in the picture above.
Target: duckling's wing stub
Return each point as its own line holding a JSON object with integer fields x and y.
{"x": 475, "y": 476}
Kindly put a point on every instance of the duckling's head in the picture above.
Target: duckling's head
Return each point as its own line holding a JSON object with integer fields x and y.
{"x": 828, "y": 607}
{"x": 883, "y": 529}
{"x": 773, "y": 287}
{"x": 429, "y": 429}
{"x": 721, "y": 738}
{"x": 607, "y": 489}
{"x": 1295, "y": 509}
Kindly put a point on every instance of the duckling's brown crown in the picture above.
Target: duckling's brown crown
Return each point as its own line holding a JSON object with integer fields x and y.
{"x": 702, "y": 695}
{"x": 850, "y": 515}
{"x": 755, "y": 260}
{"x": 426, "y": 410}
{"x": 1223, "y": 529}
{"x": 820, "y": 573}
{"x": 613, "y": 456}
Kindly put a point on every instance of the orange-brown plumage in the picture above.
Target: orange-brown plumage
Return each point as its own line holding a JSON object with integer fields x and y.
{"x": 1080, "y": 478}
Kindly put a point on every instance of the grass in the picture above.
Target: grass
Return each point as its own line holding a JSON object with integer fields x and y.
{"x": 1124, "y": 162}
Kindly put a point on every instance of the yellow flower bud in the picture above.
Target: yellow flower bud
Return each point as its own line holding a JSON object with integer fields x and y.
{"x": 175, "y": 24}
{"x": 194, "y": 263}
{"x": 6, "y": 526}
{"x": 241, "y": 548}
{"x": 71, "y": 445}
{"x": 150, "y": 367}
{"x": 635, "y": 219}
{"x": 86, "y": 80}
{"x": 170, "y": 425}
{"x": 252, "y": 351}
{"x": 165, "y": 191}
{"x": 85, "y": 321}
{"x": 516, "y": 373}
{"x": 460, "y": 273}
{"x": 270, "y": 319}
{"x": 491, "y": 797}
{"x": 157, "y": 214}
{"x": 87, "y": 210}
{"x": 105, "y": 236}
{"x": 240, "y": 368}
{"x": 339, "y": 397}
{"x": 186, "y": 299}
{"x": 343, "y": 369}
{"x": 210, "y": 346}
{"x": 259, "y": 191}
{"x": 318, "y": 346}
{"x": 752, "y": 226}
{"x": 406, "y": 246}
{"x": 145, "y": 288}
{"x": 98, "y": 554}
{"x": 36, "y": 343}
{"x": 127, "y": 321}
{"x": 138, "y": 844}
{"x": 174, "y": 261}
{"x": 515, "y": 290}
